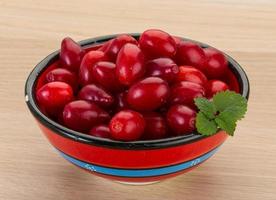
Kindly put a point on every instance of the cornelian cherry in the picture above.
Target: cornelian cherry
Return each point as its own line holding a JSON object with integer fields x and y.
{"x": 156, "y": 127}
{"x": 215, "y": 64}
{"x": 87, "y": 64}
{"x": 215, "y": 86}
{"x": 191, "y": 74}
{"x": 189, "y": 53}
{"x": 116, "y": 44}
{"x": 156, "y": 43}
{"x": 185, "y": 92}
{"x": 71, "y": 54}
{"x": 63, "y": 75}
{"x": 148, "y": 94}
{"x": 181, "y": 119}
{"x": 164, "y": 68}
{"x": 101, "y": 131}
{"x": 53, "y": 96}
{"x": 81, "y": 115}
{"x": 104, "y": 73}
{"x": 177, "y": 40}
{"x": 160, "y": 76}
{"x": 95, "y": 94}
{"x": 127, "y": 125}
{"x": 105, "y": 45}
{"x": 130, "y": 64}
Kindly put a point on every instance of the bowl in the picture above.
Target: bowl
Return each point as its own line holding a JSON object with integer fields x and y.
{"x": 138, "y": 162}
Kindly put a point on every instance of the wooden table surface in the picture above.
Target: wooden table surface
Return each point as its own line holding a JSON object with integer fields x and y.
{"x": 244, "y": 168}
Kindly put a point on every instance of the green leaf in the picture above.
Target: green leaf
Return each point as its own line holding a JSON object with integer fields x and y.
{"x": 225, "y": 121}
{"x": 223, "y": 112}
{"x": 206, "y": 106}
{"x": 233, "y": 103}
{"x": 204, "y": 125}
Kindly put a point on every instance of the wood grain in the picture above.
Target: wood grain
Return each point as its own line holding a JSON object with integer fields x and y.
{"x": 244, "y": 168}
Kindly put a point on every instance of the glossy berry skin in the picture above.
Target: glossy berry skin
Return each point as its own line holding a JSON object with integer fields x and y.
{"x": 127, "y": 125}
{"x": 63, "y": 75}
{"x": 156, "y": 43}
{"x": 96, "y": 94}
{"x": 87, "y": 64}
{"x": 53, "y": 96}
{"x": 121, "y": 101}
{"x": 191, "y": 74}
{"x": 156, "y": 127}
{"x": 177, "y": 40}
{"x": 101, "y": 131}
{"x": 148, "y": 94}
{"x": 181, "y": 119}
{"x": 164, "y": 68}
{"x": 104, "y": 73}
{"x": 116, "y": 44}
{"x": 105, "y": 45}
{"x": 215, "y": 64}
{"x": 71, "y": 54}
{"x": 189, "y": 53}
{"x": 130, "y": 64}
{"x": 214, "y": 86}
{"x": 81, "y": 115}
{"x": 184, "y": 92}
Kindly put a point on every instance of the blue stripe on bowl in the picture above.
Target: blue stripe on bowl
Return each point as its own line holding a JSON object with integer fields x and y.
{"x": 140, "y": 172}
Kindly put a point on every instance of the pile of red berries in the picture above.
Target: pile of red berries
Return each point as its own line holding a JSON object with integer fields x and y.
{"x": 129, "y": 90}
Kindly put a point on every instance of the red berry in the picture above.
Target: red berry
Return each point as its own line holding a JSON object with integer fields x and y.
{"x": 116, "y": 44}
{"x": 127, "y": 125}
{"x": 101, "y": 131}
{"x": 181, "y": 119}
{"x": 105, "y": 45}
{"x": 215, "y": 86}
{"x": 130, "y": 64}
{"x": 122, "y": 101}
{"x": 95, "y": 94}
{"x": 122, "y": 75}
{"x": 191, "y": 74}
{"x": 104, "y": 73}
{"x": 81, "y": 115}
{"x": 148, "y": 94}
{"x": 63, "y": 75}
{"x": 164, "y": 68}
{"x": 189, "y": 53}
{"x": 71, "y": 54}
{"x": 87, "y": 64}
{"x": 156, "y": 43}
{"x": 155, "y": 126}
{"x": 177, "y": 40}
{"x": 184, "y": 92}
{"x": 53, "y": 96}
{"x": 215, "y": 64}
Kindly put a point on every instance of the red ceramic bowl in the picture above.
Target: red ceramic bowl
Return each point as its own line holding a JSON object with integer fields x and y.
{"x": 131, "y": 162}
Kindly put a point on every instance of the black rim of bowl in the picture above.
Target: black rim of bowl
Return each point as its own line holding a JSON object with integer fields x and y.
{"x": 134, "y": 145}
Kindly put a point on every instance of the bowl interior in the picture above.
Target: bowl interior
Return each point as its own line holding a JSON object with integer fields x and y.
{"x": 235, "y": 78}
